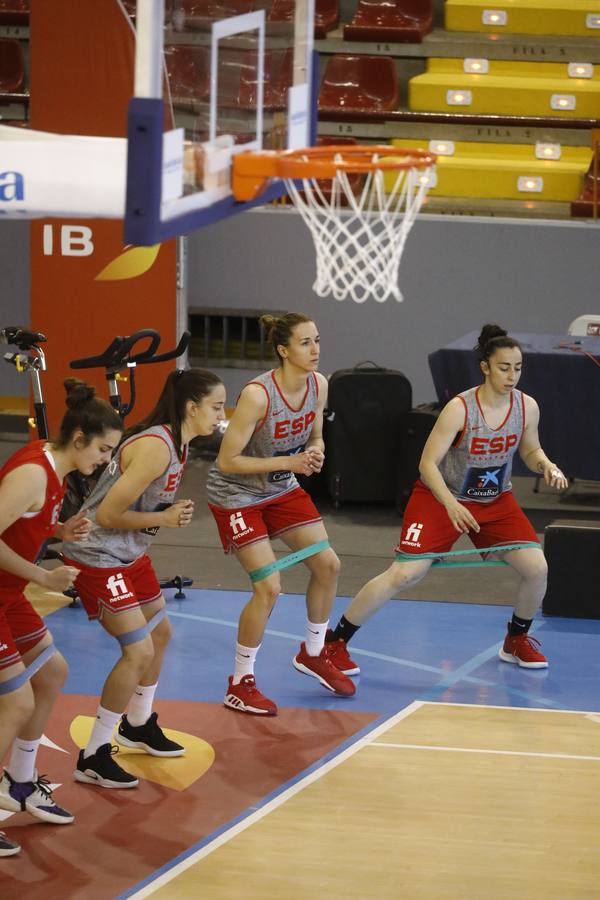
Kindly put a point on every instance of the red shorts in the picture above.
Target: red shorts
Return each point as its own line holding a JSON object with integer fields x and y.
{"x": 242, "y": 527}
{"x": 116, "y": 590}
{"x": 21, "y": 628}
{"x": 426, "y": 527}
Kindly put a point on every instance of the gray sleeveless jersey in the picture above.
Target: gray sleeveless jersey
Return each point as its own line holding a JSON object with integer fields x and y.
{"x": 283, "y": 431}
{"x": 111, "y": 547}
{"x": 478, "y": 465}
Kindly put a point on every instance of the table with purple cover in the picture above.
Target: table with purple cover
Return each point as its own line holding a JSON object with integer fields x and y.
{"x": 559, "y": 375}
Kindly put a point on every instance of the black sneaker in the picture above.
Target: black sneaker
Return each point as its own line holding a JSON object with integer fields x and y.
{"x": 101, "y": 769}
{"x": 149, "y": 737}
{"x": 7, "y": 847}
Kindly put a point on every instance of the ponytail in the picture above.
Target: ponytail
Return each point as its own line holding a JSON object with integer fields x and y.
{"x": 181, "y": 385}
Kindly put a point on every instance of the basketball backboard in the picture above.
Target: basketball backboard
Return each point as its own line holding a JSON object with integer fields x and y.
{"x": 227, "y": 76}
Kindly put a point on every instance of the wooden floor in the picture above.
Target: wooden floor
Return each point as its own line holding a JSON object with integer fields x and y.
{"x": 442, "y": 802}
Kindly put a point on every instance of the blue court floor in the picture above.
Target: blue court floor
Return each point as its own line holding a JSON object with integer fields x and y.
{"x": 410, "y": 650}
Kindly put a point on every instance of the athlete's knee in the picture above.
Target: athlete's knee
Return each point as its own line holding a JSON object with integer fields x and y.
{"x": 162, "y": 633}
{"x": 403, "y": 576}
{"x": 52, "y": 674}
{"x": 140, "y": 654}
{"x": 267, "y": 591}
{"x": 16, "y": 706}
{"x": 327, "y": 566}
{"x": 536, "y": 570}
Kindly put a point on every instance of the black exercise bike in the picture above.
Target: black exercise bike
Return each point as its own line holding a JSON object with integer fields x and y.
{"x": 123, "y": 353}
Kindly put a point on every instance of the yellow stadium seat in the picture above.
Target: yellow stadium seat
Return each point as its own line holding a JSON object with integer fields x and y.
{"x": 564, "y": 17}
{"x": 507, "y": 88}
{"x": 502, "y": 171}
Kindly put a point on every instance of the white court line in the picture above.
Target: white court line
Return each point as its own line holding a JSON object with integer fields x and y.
{"x": 481, "y": 750}
{"x": 273, "y": 804}
{"x": 533, "y": 709}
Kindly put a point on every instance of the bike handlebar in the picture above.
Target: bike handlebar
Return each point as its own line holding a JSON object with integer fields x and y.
{"x": 119, "y": 354}
{"x": 21, "y": 337}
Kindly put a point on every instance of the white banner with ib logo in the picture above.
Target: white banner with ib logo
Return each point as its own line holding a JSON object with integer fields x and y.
{"x": 45, "y": 175}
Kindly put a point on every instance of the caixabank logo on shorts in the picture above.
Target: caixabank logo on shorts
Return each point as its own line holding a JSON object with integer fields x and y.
{"x": 484, "y": 484}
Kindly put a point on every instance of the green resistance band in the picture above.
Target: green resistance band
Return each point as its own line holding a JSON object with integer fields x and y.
{"x": 286, "y": 561}
{"x": 439, "y": 563}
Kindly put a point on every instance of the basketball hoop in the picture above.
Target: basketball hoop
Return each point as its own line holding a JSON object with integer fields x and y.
{"x": 359, "y": 231}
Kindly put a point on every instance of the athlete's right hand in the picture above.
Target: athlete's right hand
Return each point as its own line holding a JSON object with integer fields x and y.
{"x": 60, "y": 578}
{"x": 179, "y": 515}
{"x": 301, "y": 463}
{"x": 462, "y": 520}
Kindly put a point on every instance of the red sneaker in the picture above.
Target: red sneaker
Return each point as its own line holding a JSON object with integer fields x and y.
{"x": 523, "y": 650}
{"x": 337, "y": 651}
{"x": 322, "y": 668}
{"x": 245, "y": 697}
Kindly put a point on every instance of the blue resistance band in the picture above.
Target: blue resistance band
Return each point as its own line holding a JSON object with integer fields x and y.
{"x": 286, "y": 561}
{"x": 138, "y": 634}
{"x": 7, "y": 687}
{"x": 439, "y": 563}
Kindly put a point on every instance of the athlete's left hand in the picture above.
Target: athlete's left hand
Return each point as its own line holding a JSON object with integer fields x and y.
{"x": 554, "y": 477}
{"x": 316, "y": 458}
{"x": 77, "y": 528}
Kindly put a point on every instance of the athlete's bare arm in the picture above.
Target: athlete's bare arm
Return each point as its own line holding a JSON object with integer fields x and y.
{"x": 249, "y": 412}
{"x": 315, "y": 443}
{"x": 531, "y": 451}
{"x": 23, "y": 491}
{"x": 143, "y": 461}
{"x": 451, "y": 421}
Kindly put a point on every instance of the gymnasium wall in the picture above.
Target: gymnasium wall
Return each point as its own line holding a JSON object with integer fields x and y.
{"x": 14, "y": 298}
{"x": 457, "y": 273}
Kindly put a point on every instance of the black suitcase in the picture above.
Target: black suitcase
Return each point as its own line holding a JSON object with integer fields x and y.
{"x": 417, "y": 428}
{"x": 366, "y": 408}
{"x": 572, "y": 550}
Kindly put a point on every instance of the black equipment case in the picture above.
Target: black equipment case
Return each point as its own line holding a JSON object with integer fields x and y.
{"x": 572, "y": 550}
{"x": 418, "y": 425}
{"x": 363, "y": 427}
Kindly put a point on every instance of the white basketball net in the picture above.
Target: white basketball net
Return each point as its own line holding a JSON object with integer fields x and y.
{"x": 359, "y": 239}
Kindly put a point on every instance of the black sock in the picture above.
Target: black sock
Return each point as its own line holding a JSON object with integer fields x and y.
{"x": 518, "y": 626}
{"x": 344, "y": 630}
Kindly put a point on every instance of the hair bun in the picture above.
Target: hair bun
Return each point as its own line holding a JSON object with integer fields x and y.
{"x": 489, "y": 332}
{"x": 78, "y": 393}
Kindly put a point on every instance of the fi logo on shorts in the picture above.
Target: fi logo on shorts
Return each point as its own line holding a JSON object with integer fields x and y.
{"x": 413, "y": 533}
{"x": 116, "y": 585}
{"x": 236, "y": 520}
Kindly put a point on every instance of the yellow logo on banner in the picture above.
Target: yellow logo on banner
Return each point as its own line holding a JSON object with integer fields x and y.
{"x": 177, "y": 773}
{"x": 129, "y": 264}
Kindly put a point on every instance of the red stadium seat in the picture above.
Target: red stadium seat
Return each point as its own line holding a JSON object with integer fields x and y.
{"x": 12, "y": 67}
{"x": 402, "y": 21}
{"x": 238, "y": 78}
{"x": 583, "y": 207}
{"x": 282, "y": 11}
{"x": 327, "y": 16}
{"x": 189, "y": 74}
{"x": 14, "y": 12}
{"x": 213, "y": 9}
{"x": 353, "y": 83}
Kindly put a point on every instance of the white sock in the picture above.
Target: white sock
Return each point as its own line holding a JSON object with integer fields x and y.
{"x": 22, "y": 760}
{"x": 315, "y": 637}
{"x": 140, "y": 705}
{"x": 102, "y": 732}
{"x": 244, "y": 661}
